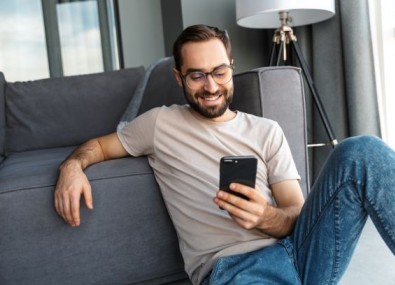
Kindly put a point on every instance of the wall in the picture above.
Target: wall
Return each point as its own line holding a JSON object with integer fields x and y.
{"x": 246, "y": 43}
{"x": 141, "y": 31}
{"x": 150, "y": 27}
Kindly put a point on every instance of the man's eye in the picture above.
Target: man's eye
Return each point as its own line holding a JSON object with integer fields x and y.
{"x": 219, "y": 74}
{"x": 196, "y": 76}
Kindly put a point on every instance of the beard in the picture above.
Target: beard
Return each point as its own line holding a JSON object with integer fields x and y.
{"x": 210, "y": 112}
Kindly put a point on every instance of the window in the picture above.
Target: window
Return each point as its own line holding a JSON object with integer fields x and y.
{"x": 23, "y": 52}
{"x": 57, "y": 37}
{"x": 79, "y": 37}
{"x": 382, "y": 14}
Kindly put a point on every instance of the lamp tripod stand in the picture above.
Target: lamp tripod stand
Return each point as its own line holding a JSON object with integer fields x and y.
{"x": 282, "y": 38}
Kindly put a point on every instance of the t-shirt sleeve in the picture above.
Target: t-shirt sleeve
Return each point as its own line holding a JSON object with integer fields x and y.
{"x": 281, "y": 165}
{"x": 137, "y": 137}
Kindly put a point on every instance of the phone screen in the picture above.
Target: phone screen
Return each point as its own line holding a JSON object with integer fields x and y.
{"x": 238, "y": 169}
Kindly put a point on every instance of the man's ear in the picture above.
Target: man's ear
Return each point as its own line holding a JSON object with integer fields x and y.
{"x": 178, "y": 77}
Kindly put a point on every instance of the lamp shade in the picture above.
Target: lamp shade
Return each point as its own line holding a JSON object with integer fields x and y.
{"x": 265, "y": 13}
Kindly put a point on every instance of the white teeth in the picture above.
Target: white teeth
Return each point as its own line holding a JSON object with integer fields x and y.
{"x": 211, "y": 98}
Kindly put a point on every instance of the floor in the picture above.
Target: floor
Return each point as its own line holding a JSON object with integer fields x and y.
{"x": 372, "y": 263}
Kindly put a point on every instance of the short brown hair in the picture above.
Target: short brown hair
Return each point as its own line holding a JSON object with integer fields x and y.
{"x": 199, "y": 33}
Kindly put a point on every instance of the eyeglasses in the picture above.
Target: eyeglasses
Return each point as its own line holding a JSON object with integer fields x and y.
{"x": 197, "y": 79}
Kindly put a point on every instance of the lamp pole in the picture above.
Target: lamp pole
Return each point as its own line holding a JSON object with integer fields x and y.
{"x": 284, "y": 36}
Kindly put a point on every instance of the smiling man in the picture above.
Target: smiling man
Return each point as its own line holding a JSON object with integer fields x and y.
{"x": 225, "y": 239}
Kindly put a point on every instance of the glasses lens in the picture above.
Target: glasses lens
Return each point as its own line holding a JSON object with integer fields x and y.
{"x": 222, "y": 74}
{"x": 195, "y": 80}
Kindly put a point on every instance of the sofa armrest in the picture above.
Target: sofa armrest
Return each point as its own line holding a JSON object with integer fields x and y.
{"x": 128, "y": 238}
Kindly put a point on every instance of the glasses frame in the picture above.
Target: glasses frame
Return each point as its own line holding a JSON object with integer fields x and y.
{"x": 184, "y": 77}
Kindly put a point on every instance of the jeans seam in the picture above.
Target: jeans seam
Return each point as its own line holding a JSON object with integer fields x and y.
{"x": 333, "y": 197}
{"x": 319, "y": 215}
{"x": 325, "y": 205}
{"x": 336, "y": 261}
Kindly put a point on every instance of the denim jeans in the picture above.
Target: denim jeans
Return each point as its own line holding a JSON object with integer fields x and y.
{"x": 357, "y": 181}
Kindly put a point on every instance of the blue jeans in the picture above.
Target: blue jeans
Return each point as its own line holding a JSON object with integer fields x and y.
{"x": 357, "y": 181}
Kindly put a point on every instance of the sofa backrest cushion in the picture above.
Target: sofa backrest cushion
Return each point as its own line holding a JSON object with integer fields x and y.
{"x": 277, "y": 93}
{"x": 160, "y": 72}
{"x": 2, "y": 115}
{"x": 162, "y": 88}
{"x": 66, "y": 111}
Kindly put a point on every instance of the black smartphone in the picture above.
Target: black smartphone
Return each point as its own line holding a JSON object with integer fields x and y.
{"x": 238, "y": 169}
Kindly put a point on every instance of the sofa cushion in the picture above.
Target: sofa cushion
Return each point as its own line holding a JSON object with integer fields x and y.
{"x": 161, "y": 88}
{"x": 66, "y": 111}
{"x": 2, "y": 115}
{"x": 117, "y": 243}
{"x": 134, "y": 105}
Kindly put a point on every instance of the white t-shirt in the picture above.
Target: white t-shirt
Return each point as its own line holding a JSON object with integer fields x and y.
{"x": 184, "y": 150}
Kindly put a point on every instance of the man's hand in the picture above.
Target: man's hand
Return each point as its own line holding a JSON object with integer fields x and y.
{"x": 247, "y": 213}
{"x": 277, "y": 221}
{"x": 72, "y": 183}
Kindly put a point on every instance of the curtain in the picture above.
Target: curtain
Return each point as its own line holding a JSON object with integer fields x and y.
{"x": 340, "y": 57}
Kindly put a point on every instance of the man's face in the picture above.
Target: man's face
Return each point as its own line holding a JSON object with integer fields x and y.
{"x": 211, "y": 99}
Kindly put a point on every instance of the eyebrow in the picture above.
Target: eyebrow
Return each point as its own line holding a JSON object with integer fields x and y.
{"x": 190, "y": 70}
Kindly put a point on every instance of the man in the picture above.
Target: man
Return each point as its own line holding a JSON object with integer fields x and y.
{"x": 225, "y": 239}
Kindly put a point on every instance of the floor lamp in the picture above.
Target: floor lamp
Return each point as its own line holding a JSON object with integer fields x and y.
{"x": 270, "y": 14}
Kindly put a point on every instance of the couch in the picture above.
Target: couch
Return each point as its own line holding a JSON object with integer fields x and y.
{"x": 128, "y": 238}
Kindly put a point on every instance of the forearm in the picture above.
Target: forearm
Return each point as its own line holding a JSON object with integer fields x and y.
{"x": 72, "y": 181}
{"x": 279, "y": 222}
{"x": 85, "y": 155}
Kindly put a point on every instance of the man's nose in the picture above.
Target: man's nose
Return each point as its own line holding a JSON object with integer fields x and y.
{"x": 210, "y": 85}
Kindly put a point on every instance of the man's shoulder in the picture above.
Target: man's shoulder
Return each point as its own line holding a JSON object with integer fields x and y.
{"x": 167, "y": 110}
{"x": 257, "y": 119}
{"x": 172, "y": 110}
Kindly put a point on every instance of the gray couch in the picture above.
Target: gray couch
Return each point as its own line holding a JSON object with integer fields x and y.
{"x": 128, "y": 238}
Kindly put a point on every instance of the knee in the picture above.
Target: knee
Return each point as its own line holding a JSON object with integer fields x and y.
{"x": 360, "y": 141}
{"x": 359, "y": 146}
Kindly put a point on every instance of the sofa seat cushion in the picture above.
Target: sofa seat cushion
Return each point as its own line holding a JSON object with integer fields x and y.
{"x": 119, "y": 244}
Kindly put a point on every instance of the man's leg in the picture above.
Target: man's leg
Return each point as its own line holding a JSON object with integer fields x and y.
{"x": 358, "y": 180}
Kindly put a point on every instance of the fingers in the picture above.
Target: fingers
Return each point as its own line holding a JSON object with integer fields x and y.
{"x": 73, "y": 217}
{"x": 67, "y": 201}
{"x": 252, "y": 195}
{"x": 247, "y": 213}
{"x": 67, "y": 207}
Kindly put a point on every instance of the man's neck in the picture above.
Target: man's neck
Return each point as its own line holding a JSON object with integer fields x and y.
{"x": 227, "y": 116}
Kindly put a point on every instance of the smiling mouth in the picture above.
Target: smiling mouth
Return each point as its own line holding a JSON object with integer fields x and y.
{"x": 210, "y": 98}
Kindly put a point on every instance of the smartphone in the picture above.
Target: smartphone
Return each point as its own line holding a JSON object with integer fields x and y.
{"x": 238, "y": 169}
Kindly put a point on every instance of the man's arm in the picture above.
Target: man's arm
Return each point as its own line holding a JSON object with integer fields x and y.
{"x": 72, "y": 181}
{"x": 277, "y": 221}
